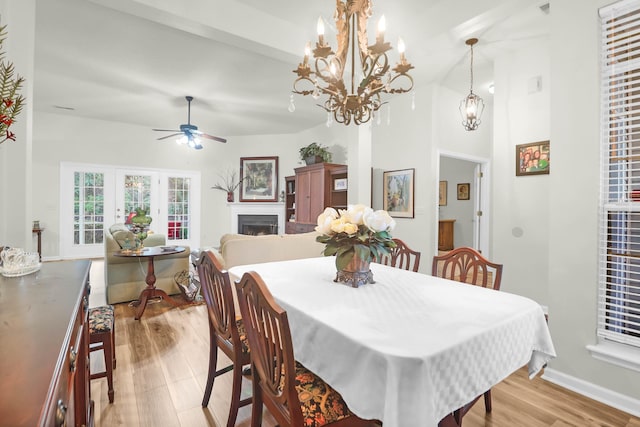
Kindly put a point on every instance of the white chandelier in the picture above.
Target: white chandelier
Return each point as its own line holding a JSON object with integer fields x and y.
{"x": 352, "y": 100}
{"x": 472, "y": 106}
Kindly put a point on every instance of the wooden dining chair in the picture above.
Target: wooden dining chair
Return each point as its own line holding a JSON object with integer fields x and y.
{"x": 467, "y": 265}
{"x": 294, "y": 395}
{"x": 226, "y": 332}
{"x": 402, "y": 256}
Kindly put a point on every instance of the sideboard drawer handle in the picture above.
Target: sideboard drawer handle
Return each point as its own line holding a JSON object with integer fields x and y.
{"x": 73, "y": 355}
{"x": 61, "y": 413}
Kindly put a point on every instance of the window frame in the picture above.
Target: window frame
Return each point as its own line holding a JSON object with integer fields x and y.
{"x": 618, "y": 316}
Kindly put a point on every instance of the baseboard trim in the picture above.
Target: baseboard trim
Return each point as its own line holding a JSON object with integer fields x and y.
{"x": 608, "y": 397}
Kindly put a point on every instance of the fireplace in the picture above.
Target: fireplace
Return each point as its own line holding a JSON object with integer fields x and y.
{"x": 258, "y": 210}
{"x": 257, "y": 225}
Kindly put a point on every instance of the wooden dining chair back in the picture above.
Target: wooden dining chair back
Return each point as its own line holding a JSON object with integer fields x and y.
{"x": 467, "y": 265}
{"x": 402, "y": 256}
{"x": 226, "y": 331}
{"x": 278, "y": 380}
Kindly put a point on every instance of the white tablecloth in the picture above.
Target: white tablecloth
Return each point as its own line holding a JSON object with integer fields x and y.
{"x": 410, "y": 348}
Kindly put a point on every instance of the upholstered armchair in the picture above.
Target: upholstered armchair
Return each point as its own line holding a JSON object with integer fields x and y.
{"x": 125, "y": 277}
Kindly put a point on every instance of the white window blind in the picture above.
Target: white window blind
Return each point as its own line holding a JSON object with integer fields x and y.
{"x": 619, "y": 234}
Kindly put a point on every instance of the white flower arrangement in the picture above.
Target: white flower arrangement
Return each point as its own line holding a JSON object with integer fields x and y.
{"x": 358, "y": 231}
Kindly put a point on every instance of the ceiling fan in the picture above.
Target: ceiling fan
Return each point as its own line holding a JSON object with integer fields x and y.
{"x": 190, "y": 134}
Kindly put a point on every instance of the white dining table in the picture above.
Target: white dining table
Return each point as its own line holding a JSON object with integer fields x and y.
{"x": 410, "y": 348}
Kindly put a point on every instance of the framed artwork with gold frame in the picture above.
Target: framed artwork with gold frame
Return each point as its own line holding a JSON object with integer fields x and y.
{"x": 442, "y": 194}
{"x": 463, "y": 191}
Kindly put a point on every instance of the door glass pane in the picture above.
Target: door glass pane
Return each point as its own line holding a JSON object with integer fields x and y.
{"x": 178, "y": 208}
{"x": 88, "y": 215}
{"x": 137, "y": 194}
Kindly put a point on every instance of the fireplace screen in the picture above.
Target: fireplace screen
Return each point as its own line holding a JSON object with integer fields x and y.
{"x": 257, "y": 225}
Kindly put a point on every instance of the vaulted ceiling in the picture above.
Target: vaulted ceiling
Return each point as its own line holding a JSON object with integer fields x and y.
{"x": 133, "y": 61}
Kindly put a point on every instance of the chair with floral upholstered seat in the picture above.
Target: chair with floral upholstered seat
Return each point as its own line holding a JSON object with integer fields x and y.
{"x": 294, "y": 395}
{"x": 467, "y": 265}
{"x": 102, "y": 337}
{"x": 402, "y": 256}
{"x": 226, "y": 332}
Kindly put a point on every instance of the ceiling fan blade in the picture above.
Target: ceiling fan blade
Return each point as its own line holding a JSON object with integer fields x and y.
{"x": 169, "y": 136}
{"x": 215, "y": 138}
{"x": 167, "y": 130}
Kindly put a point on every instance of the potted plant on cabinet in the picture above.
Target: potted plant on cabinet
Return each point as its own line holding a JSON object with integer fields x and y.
{"x": 315, "y": 153}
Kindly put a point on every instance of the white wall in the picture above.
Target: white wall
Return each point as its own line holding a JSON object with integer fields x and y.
{"x": 405, "y": 143}
{"x": 521, "y": 203}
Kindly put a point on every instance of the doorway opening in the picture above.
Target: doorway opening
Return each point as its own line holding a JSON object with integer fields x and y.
{"x": 464, "y": 210}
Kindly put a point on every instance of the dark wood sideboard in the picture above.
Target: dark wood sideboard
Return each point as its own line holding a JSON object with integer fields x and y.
{"x": 44, "y": 347}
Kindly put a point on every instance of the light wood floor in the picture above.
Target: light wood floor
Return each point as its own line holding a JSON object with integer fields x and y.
{"x": 162, "y": 370}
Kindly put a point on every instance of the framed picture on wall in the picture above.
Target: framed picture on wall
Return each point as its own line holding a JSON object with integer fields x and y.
{"x": 259, "y": 178}
{"x": 533, "y": 158}
{"x": 397, "y": 192}
{"x": 463, "y": 191}
{"x": 442, "y": 194}
{"x": 340, "y": 184}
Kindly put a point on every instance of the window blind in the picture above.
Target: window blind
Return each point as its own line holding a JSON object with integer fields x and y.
{"x": 619, "y": 225}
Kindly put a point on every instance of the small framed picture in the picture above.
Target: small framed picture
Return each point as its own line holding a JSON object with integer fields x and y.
{"x": 259, "y": 178}
{"x": 533, "y": 158}
{"x": 397, "y": 189}
{"x": 442, "y": 194}
{"x": 340, "y": 184}
{"x": 463, "y": 191}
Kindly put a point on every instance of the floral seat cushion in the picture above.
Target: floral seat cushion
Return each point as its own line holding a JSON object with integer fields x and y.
{"x": 101, "y": 319}
{"x": 243, "y": 335}
{"x": 320, "y": 403}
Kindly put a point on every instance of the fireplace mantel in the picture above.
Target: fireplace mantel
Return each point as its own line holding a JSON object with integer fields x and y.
{"x": 257, "y": 208}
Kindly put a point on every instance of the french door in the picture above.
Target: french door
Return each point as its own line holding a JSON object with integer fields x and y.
{"x": 94, "y": 197}
{"x": 136, "y": 189}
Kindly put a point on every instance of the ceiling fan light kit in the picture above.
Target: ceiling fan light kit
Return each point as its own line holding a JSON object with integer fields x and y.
{"x": 189, "y": 134}
{"x": 352, "y": 101}
{"x": 472, "y": 106}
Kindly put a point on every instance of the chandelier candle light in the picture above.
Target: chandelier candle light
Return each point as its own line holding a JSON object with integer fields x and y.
{"x": 353, "y": 100}
{"x": 356, "y": 237}
{"x": 472, "y": 106}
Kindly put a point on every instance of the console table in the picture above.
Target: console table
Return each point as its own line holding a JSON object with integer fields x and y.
{"x": 445, "y": 234}
{"x": 151, "y": 291}
{"x": 44, "y": 374}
